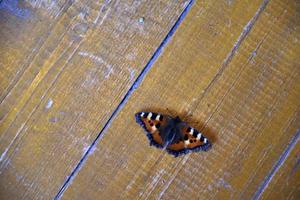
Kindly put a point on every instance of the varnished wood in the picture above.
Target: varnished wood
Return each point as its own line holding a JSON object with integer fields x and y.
{"x": 67, "y": 66}
{"x": 231, "y": 71}
{"x": 285, "y": 184}
{"x": 246, "y": 102}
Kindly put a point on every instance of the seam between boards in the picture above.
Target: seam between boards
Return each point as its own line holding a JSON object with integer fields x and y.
{"x": 133, "y": 87}
{"x": 283, "y": 157}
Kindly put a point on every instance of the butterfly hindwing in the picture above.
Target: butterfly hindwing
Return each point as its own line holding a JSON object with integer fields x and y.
{"x": 153, "y": 123}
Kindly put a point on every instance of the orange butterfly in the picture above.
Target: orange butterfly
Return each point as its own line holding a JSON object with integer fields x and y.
{"x": 172, "y": 134}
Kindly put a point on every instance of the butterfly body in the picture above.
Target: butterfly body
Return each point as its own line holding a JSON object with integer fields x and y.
{"x": 172, "y": 134}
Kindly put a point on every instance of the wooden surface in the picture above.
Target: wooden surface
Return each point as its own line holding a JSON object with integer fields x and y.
{"x": 231, "y": 70}
{"x": 90, "y": 54}
{"x": 286, "y": 182}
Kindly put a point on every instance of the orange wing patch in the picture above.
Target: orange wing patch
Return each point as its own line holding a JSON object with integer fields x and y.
{"x": 157, "y": 138}
{"x": 177, "y": 146}
{"x": 193, "y": 138}
{"x": 192, "y": 143}
{"x": 151, "y": 123}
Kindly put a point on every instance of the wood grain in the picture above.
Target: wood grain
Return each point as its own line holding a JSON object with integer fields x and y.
{"x": 237, "y": 83}
{"x": 80, "y": 59}
{"x": 26, "y": 41}
{"x": 231, "y": 70}
{"x": 286, "y": 182}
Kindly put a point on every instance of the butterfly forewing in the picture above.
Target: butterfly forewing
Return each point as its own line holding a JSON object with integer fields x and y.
{"x": 153, "y": 123}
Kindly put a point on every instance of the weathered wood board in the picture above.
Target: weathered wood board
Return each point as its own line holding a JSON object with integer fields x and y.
{"x": 70, "y": 64}
{"x": 286, "y": 182}
{"x": 231, "y": 70}
{"x": 247, "y": 105}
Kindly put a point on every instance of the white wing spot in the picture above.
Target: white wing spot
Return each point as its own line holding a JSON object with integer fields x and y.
{"x": 157, "y": 117}
{"x": 192, "y": 131}
{"x": 186, "y": 142}
{"x": 149, "y": 116}
{"x": 199, "y": 136}
{"x": 142, "y": 114}
{"x": 153, "y": 128}
{"x": 205, "y": 140}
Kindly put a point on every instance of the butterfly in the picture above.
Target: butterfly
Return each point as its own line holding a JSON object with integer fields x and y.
{"x": 171, "y": 134}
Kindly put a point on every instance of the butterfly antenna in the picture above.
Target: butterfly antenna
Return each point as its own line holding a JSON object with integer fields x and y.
{"x": 170, "y": 112}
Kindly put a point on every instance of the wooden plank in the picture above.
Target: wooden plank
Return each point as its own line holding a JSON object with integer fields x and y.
{"x": 285, "y": 184}
{"x": 277, "y": 109}
{"x": 90, "y": 54}
{"x": 22, "y": 39}
{"x": 238, "y": 85}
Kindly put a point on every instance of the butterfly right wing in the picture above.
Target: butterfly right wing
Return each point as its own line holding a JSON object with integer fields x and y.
{"x": 192, "y": 141}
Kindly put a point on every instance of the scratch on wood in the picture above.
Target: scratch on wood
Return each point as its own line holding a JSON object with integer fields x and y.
{"x": 108, "y": 72}
{"x": 102, "y": 9}
{"x": 132, "y": 73}
{"x": 177, "y": 168}
{"x": 153, "y": 183}
{"x": 10, "y": 144}
{"x": 98, "y": 59}
{"x": 51, "y": 7}
{"x": 237, "y": 44}
{"x": 222, "y": 183}
{"x": 262, "y": 157}
{"x": 85, "y": 148}
{"x": 296, "y": 166}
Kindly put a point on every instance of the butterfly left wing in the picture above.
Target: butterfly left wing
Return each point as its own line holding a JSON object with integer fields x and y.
{"x": 152, "y": 123}
{"x": 192, "y": 141}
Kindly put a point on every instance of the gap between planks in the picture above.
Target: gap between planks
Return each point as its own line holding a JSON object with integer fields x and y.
{"x": 133, "y": 87}
{"x": 277, "y": 165}
{"x": 148, "y": 66}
